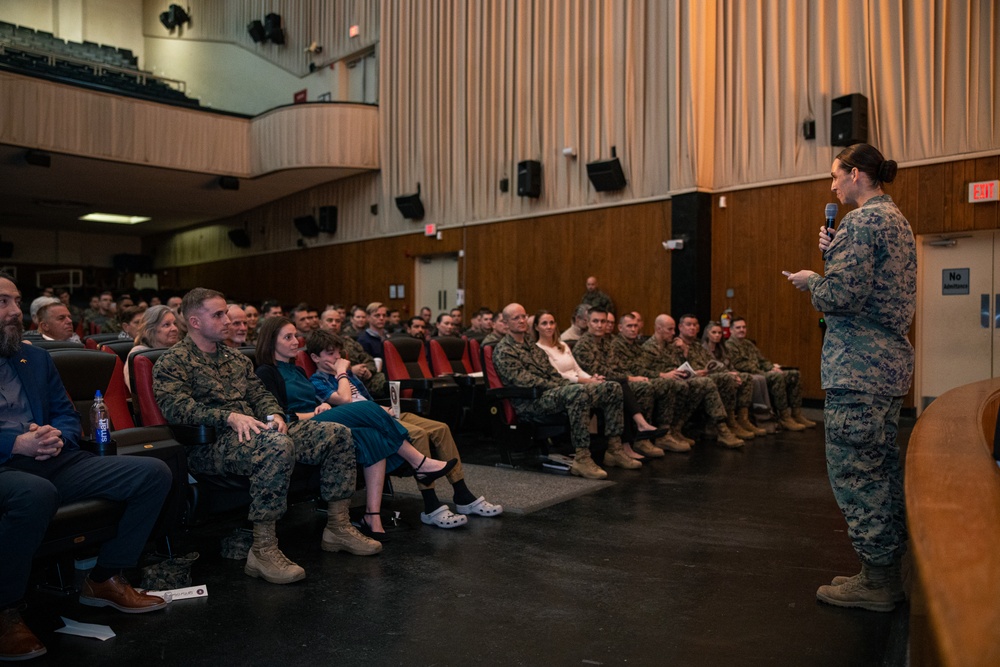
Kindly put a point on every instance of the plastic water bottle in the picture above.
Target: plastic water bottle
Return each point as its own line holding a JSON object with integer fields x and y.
{"x": 99, "y": 421}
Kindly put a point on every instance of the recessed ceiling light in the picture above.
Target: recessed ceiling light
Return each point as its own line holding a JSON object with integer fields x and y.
{"x": 117, "y": 219}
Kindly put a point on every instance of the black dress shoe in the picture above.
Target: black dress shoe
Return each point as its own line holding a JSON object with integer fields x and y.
{"x": 428, "y": 477}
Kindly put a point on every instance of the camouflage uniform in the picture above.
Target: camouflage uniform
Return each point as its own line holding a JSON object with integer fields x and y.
{"x": 701, "y": 390}
{"x": 735, "y": 394}
{"x": 491, "y": 339}
{"x": 633, "y": 359}
{"x": 868, "y": 295}
{"x": 598, "y": 299}
{"x": 193, "y": 387}
{"x": 784, "y": 385}
{"x": 526, "y": 365}
{"x": 594, "y": 355}
{"x": 377, "y": 384}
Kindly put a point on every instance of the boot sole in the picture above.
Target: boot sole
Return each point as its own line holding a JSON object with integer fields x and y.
{"x": 334, "y": 548}
{"x": 255, "y": 573}
{"x": 577, "y": 473}
{"x": 856, "y": 604}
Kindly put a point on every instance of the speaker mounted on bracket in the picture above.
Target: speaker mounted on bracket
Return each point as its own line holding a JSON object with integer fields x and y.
{"x": 410, "y": 205}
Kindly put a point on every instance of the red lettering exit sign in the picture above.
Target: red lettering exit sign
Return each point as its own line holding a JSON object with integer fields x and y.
{"x": 984, "y": 191}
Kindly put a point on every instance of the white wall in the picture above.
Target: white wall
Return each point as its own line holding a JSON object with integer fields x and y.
{"x": 228, "y": 77}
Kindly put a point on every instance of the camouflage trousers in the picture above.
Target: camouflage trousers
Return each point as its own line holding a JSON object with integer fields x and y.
{"x": 784, "y": 389}
{"x": 657, "y": 399}
{"x": 863, "y": 463}
{"x": 433, "y": 439}
{"x": 736, "y": 391}
{"x": 699, "y": 392}
{"x": 269, "y": 457}
{"x": 377, "y": 385}
{"x": 577, "y": 400}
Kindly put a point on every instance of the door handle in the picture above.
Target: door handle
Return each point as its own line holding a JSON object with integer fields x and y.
{"x": 984, "y": 311}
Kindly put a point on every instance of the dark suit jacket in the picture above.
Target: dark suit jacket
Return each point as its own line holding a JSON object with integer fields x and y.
{"x": 371, "y": 344}
{"x": 46, "y": 396}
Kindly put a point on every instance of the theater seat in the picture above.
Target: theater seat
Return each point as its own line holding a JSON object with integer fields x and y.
{"x": 438, "y": 398}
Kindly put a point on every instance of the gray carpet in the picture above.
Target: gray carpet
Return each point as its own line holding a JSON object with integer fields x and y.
{"x": 519, "y": 491}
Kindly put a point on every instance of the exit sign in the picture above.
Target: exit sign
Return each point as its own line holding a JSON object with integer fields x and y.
{"x": 984, "y": 191}
{"x": 430, "y": 229}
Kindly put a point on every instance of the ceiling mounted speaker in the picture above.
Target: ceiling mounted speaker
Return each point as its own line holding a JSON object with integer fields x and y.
{"x": 38, "y": 159}
{"x": 240, "y": 238}
{"x": 849, "y": 120}
{"x": 606, "y": 175}
{"x": 256, "y": 30}
{"x": 229, "y": 183}
{"x": 307, "y": 226}
{"x": 6, "y": 249}
{"x": 272, "y": 28}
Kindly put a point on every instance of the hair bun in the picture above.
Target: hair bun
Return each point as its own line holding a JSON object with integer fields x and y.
{"x": 887, "y": 171}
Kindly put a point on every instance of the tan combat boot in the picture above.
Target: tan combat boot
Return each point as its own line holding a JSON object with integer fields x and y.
{"x": 584, "y": 466}
{"x": 672, "y": 443}
{"x": 801, "y": 418}
{"x": 868, "y": 590}
{"x": 648, "y": 449}
{"x": 616, "y": 457}
{"x": 743, "y": 419}
{"x": 340, "y": 535}
{"x": 895, "y": 581}
{"x": 726, "y": 437}
{"x": 677, "y": 431}
{"x": 787, "y": 423}
{"x": 265, "y": 559}
{"x": 738, "y": 430}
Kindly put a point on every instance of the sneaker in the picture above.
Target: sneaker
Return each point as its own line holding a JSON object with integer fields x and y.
{"x": 271, "y": 565}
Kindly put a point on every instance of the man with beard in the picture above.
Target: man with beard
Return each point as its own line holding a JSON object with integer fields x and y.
{"x": 42, "y": 466}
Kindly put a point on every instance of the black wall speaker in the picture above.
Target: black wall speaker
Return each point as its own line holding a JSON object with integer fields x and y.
{"x": 529, "y": 178}
{"x": 240, "y": 238}
{"x": 6, "y": 249}
{"x": 272, "y": 28}
{"x": 229, "y": 183}
{"x": 328, "y": 219}
{"x": 256, "y": 30}
{"x": 606, "y": 175}
{"x": 307, "y": 226}
{"x": 849, "y": 120}
{"x": 410, "y": 206}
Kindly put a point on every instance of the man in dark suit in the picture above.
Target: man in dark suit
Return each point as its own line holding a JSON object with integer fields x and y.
{"x": 42, "y": 466}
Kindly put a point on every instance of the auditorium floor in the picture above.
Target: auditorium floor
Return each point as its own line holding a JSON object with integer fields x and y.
{"x": 711, "y": 558}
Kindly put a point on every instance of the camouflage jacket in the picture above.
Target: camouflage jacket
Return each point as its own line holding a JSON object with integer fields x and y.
{"x": 599, "y": 299}
{"x": 700, "y": 358}
{"x": 491, "y": 339}
{"x": 596, "y": 356}
{"x": 357, "y": 355}
{"x": 633, "y": 357}
{"x": 664, "y": 357}
{"x": 746, "y": 357}
{"x": 525, "y": 365}
{"x": 193, "y": 387}
{"x": 868, "y": 296}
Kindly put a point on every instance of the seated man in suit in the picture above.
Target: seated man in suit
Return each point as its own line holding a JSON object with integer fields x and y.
{"x": 521, "y": 363}
{"x": 56, "y": 323}
{"x": 371, "y": 338}
{"x": 42, "y": 466}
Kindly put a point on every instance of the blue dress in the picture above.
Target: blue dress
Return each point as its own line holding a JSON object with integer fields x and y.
{"x": 376, "y": 435}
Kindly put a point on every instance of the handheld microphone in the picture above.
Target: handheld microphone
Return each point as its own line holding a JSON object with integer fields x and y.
{"x": 831, "y": 214}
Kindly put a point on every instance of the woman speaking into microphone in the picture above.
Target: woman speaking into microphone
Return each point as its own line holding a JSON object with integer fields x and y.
{"x": 868, "y": 294}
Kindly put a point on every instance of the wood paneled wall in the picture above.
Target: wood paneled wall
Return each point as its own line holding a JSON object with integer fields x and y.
{"x": 540, "y": 262}
{"x": 544, "y": 262}
{"x": 764, "y": 231}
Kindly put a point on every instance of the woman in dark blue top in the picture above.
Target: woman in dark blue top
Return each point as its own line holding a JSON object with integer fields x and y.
{"x": 379, "y": 441}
